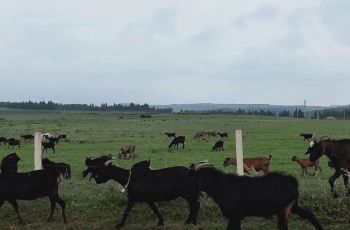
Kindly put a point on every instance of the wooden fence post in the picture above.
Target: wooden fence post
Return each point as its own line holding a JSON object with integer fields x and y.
{"x": 239, "y": 152}
{"x": 37, "y": 151}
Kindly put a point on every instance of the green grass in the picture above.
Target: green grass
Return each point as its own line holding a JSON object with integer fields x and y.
{"x": 92, "y": 206}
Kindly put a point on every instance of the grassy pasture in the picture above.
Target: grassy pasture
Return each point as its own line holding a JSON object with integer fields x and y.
{"x": 90, "y": 206}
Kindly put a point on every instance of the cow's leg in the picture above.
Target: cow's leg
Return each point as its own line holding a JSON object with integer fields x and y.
{"x": 234, "y": 224}
{"x": 194, "y": 208}
{"x": 282, "y": 221}
{"x": 53, "y": 207}
{"x": 346, "y": 183}
{"x": 63, "y": 207}
{"x": 183, "y": 145}
{"x": 53, "y": 149}
{"x": 14, "y": 204}
{"x": 331, "y": 181}
{"x": 156, "y": 211}
{"x": 126, "y": 213}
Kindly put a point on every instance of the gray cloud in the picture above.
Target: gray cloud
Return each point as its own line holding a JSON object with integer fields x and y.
{"x": 159, "y": 52}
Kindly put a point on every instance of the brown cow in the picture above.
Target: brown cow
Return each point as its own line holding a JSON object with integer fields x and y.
{"x": 305, "y": 164}
{"x": 127, "y": 151}
{"x": 252, "y": 164}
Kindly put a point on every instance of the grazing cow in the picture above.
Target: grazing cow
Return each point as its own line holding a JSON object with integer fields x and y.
{"x": 93, "y": 163}
{"x": 46, "y": 135}
{"x": 170, "y": 135}
{"x": 338, "y": 152}
{"x": 55, "y": 140}
{"x": 14, "y": 142}
{"x": 127, "y": 152}
{"x": 62, "y": 136}
{"x": 211, "y": 134}
{"x": 9, "y": 163}
{"x": 305, "y": 164}
{"x": 307, "y": 136}
{"x": 62, "y": 168}
{"x": 201, "y": 136}
{"x": 11, "y": 139}
{"x": 3, "y": 140}
{"x": 204, "y": 136}
{"x": 30, "y": 186}
{"x": 48, "y": 145}
{"x": 223, "y": 135}
{"x": 252, "y": 164}
{"x": 145, "y": 185}
{"x": 219, "y": 145}
{"x": 176, "y": 141}
{"x": 27, "y": 137}
{"x": 242, "y": 196}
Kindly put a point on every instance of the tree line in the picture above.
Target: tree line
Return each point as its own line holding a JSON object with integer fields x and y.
{"x": 42, "y": 105}
{"x": 298, "y": 113}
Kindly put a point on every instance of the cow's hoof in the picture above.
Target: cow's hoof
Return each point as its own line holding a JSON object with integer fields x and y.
{"x": 335, "y": 196}
{"x": 160, "y": 223}
{"x": 120, "y": 225}
{"x": 50, "y": 219}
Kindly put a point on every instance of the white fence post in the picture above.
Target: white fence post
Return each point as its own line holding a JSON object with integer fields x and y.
{"x": 37, "y": 151}
{"x": 239, "y": 152}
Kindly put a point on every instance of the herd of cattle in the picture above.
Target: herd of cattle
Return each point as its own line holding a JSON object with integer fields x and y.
{"x": 48, "y": 142}
{"x": 237, "y": 196}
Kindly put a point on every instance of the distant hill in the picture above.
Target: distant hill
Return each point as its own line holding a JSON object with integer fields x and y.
{"x": 200, "y": 107}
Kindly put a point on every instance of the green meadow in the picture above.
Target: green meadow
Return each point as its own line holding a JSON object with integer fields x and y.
{"x": 92, "y": 206}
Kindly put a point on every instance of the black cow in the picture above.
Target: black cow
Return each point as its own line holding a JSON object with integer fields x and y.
{"x": 338, "y": 152}
{"x": 3, "y": 140}
{"x": 176, "y": 141}
{"x": 145, "y": 185}
{"x": 30, "y": 186}
{"x": 307, "y": 136}
{"x": 27, "y": 137}
{"x": 242, "y": 196}
{"x": 62, "y": 136}
{"x": 170, "y": 135}
{"x": 9, "y": 163}
{"x": 48, "y": 145}
{"x": 13, "y": 142}
{"x": 223, "y": 135}
{"x": 54, "y": 140}
{"x": 219, "y": 145}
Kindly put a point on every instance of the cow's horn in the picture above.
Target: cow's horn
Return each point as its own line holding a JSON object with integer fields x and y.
{"x": 109, "y": 162}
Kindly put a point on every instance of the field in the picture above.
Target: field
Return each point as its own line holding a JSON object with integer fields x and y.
{"x": 91, "y": 206}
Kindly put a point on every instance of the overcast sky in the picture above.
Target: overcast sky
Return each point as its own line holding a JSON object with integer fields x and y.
{"x": 161, "y": 52}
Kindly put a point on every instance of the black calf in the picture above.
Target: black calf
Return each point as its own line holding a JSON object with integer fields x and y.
{"x": 3, "y": 140}
{"x": 223, "y": 135}
{"x": 176, "y": 141}
{"x": 219, "y": 145}
{"x": 13, "y": 142}
{"x": 48, "y": 145}
{"x": 27, "y": 137}
{"x": 307, "y": 136}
